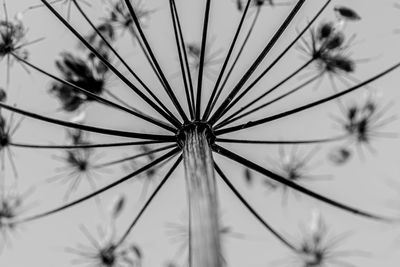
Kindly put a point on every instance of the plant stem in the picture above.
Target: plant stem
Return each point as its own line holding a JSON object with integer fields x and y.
{"x": 204, "y": 239}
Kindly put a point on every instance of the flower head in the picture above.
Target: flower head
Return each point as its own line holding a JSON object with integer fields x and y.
{"x": 89, "y": 74}
{"x": 149, "y": 176}
{"x": 12, "y": 205}
{"x": 318, "y": 249}
{"x": 120, "y": 17}
{"x": 108, "y": 251}
{"x": 210, "y": 59}
{"x": 12, "y": 38}
{"x": 362, "y": 122}
{"x": 327, "y": 48}
{"x": 292, "y": 166}
{"x": 79, "y": 164}
{"x": 8, "y": 127}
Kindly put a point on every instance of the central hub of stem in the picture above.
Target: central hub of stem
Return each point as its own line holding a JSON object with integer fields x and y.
{"x": 196, "y": 139}
{"x": 198, "y": 126}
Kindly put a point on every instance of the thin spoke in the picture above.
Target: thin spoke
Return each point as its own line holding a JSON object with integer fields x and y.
{"x": 175, "y": 122}
{"x": 307, "y": 106}
{"x": 146, "y": 55}
{"x": 232, "y": 46}
{"x": 232, "y": 118}
{"x": 99, "y": 99}
{"x": 89, "y": 128}
{"x": 283, "y": 142}
{"x": 189, "y": 75}
{"x": 80, "y": 200}
{"x": 174, "y": 17}
{"x": 278, "y": 85}
{"x": 237, "y": 57}
{"x": 36, "y": 146}
{"x": 284, "y": 181}
{"x": 222, "y": 109}
{"x": 278, "y": 59}
{"x": 29, "y": 43}
{"x": 159, "y": 187}
{"x": 140, "y": 155}
{"x": 202, "y": 55}
{"x": 252, "y": 211}
{"x": 167, "y": 87}
{"x": 122, "y": 60}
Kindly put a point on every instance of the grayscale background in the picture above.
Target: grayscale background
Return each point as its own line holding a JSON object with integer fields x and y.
{"x": 365, "y": 182}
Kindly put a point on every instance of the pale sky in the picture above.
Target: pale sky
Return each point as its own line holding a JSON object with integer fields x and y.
{"x": 366, "y": 181}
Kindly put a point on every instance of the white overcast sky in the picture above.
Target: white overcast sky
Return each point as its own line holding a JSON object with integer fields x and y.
{"x": 364, "y": 183}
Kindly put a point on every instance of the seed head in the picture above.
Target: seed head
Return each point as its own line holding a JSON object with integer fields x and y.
{"x": 89, "y": 74}
{"x": 12, "y": 37}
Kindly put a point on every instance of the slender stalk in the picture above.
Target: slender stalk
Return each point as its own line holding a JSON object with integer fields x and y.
{"x": 89, "y": 128}
{"x": 146, "y": 55}
{"x": 246, "y": 39}
{"x": 99, "y": 99}
{"x": 271, "y": 175}
{"x": 269, "y": 91}
{"x": 167, "y": 87}
{"x": 308, "y": 106}
{"x": 189, "y": 75}
{"x": 284, "y": 52}
{"x": 123, "y": 102}
{"x": 228, "y": 56}
{"x": 104, "y": 189}
{"x": 39, "y": 146}
{"x": 204, "y": 243}
{"x": 202, "y": 56}
{"x": 235, "y": 116}
{"x": 122, "y": 60}
{"x": 222, "y": 109}
{"x": 252, "y": 211}
{"x": 175, "y": 122}
{"x": 283, "y": 142}
{"x": 140, "y": 155}
{"x": 175, "y": 17}
{"x": 159, "y": 187}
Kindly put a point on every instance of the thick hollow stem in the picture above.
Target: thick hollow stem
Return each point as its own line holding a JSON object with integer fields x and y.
{"x": 204, "y": 238}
